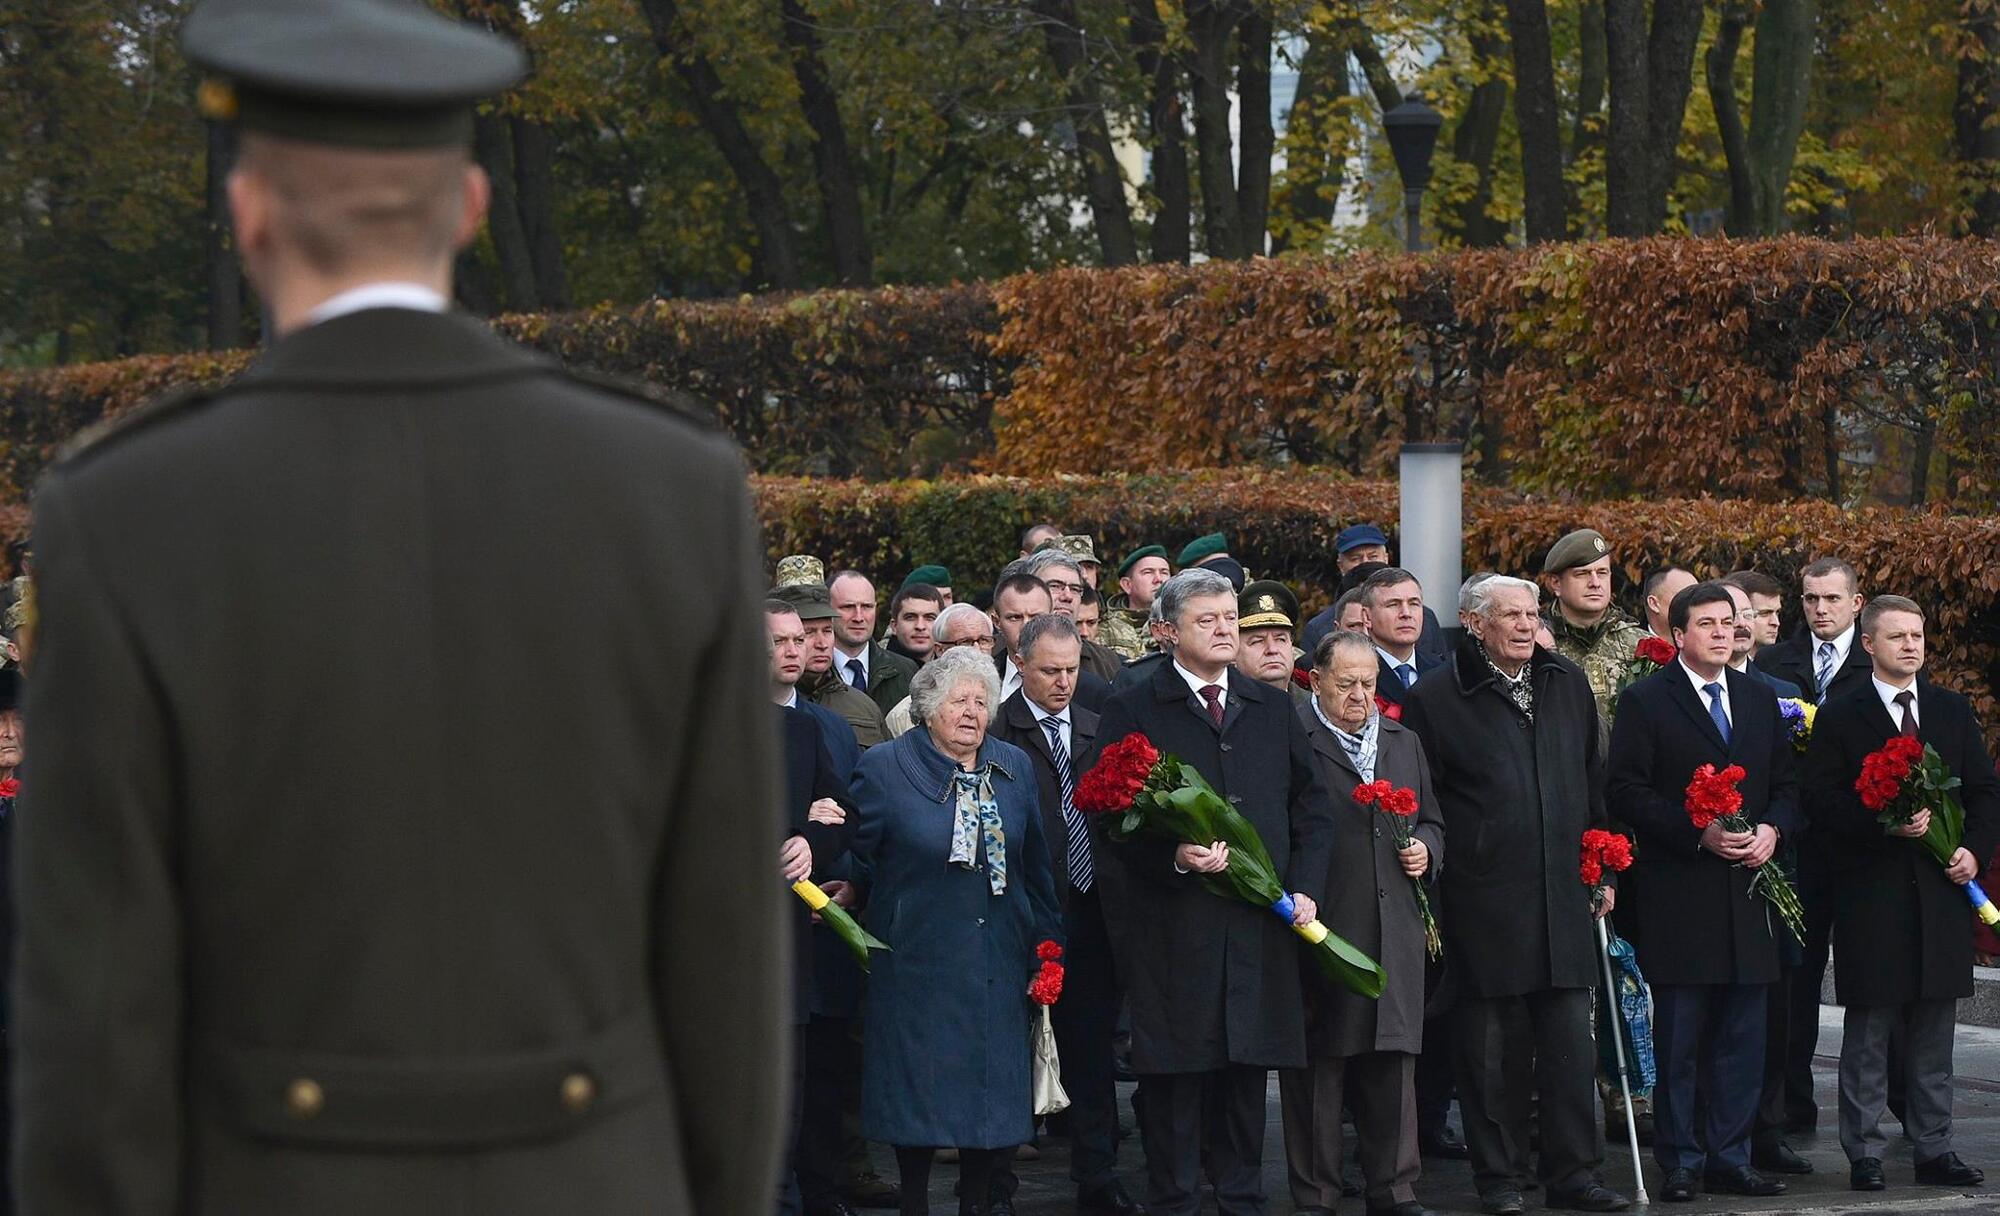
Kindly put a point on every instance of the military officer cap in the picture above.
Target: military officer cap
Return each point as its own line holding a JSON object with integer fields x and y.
{"x": 936, "y": 576}
{"x": 813, "y": 600}
{"x": 1139, "y": 555}
{"x": 353, "y": 73}
{"x": 1358, "y": 535}
{"x": 1267, "y": 604}
{"x": 1202, "y": 547}
{"x": 1078, "y": 547}
{"x": 799, "y": 568}
{"x": 1579, "y": 548}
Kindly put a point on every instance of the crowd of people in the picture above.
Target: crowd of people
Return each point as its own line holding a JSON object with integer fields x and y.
{"x": 936, "y": 737}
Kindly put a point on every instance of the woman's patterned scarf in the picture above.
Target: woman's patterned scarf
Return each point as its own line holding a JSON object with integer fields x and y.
{"x": 976, "y": 818}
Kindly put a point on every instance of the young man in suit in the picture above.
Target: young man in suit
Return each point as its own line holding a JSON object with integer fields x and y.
{"x": 1707, "y": 944}
{"x": 1060, "y": 737}
{"x": 1396, "y": 623}
{"x": 1825, "y": 662}
{"x": 1214, "y": 981}
{"x": 1899, "y": 913}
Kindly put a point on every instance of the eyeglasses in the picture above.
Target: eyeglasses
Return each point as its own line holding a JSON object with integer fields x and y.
{"x": 984, "y": 643}
{"x": 1055, "y": 586}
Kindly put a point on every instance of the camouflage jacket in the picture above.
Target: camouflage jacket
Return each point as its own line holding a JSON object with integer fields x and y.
{"x": 1604, "y": 651}
{"x": 1123, "y": 629}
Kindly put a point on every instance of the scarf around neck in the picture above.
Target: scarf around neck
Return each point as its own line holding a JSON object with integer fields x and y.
{"x": 976, "y": 822}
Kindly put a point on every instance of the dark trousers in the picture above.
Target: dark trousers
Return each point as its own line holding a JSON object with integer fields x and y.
{"x": 1791, "y": 1074}
{"x": 789, "y": 1202}
{"x": 1510, "y": 1050}
{"x": 1713, "y": 1032}
{"x": 1174, "y": 1113}
{"x": 830, "y": 1057}
{"x": 1787, "y": 1096}
{"x": 975, "y": 1178}
{"x": 1380, "y": 1087}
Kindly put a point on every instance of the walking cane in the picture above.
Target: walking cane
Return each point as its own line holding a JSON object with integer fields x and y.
{"x": 1617, "y": 1020}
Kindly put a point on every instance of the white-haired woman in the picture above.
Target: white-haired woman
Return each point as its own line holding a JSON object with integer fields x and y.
{"x": 960, "y": 887}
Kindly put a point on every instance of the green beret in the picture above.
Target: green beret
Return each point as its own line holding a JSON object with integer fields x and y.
{"x": 1579, "y": 548}
{"x": 1141, "y": 554}
{"x": 1267, "y": 604}
{"x": 813, "y": 600}
{"x": 1203, "y": 547}
{"x": 936, "y": 576}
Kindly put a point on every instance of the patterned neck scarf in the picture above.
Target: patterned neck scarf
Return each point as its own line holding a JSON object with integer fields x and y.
{"x": 1518, "y": 689}
{"x": 976, "y": 821}
{"x": 1361, "y": 745}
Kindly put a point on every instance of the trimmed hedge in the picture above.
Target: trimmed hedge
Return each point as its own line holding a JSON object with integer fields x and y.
{"x": 1669, "y": 367}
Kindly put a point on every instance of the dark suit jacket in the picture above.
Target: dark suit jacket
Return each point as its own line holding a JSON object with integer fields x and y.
{"x": 1792, "y": 659}
{"x": 1092, "y": 690}
{"x": 1434, "y": 642}
{"x": 1389, "y": 686}
{"x": 810, "y": 775}
{"x": 1779, "y": 684}
{"x": 305, "y": 809}
{"x": 1893, "y": 907}
{"x": 1019, "y": 723}
{"x": 888, "y": 675}
{"x": 1214, "y": 981}
{"x": 1690, "y": 914}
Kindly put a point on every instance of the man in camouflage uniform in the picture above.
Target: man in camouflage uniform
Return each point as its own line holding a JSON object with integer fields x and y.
{"x": 1140, "y": 577}
{"x": 802, "y": 584}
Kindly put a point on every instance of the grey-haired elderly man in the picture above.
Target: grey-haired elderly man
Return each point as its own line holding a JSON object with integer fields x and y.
{"x": 1063, "y": 575}
{"x": 958, "y": 625}
{"x": 1510, "y": 731}
{"x": 1214, "y": 982}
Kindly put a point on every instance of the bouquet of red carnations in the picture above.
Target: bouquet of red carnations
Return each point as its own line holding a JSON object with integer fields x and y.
{"x": 1602, "y": 851}
{"x": 1905, "y": 776}
{"x": 1399, "y": 809}
{"x": 1648, "y": 656}
{"x": 1713, "y": 797}
{"x": 1157, "y": 794}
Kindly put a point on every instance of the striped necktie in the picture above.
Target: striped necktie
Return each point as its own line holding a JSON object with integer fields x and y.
{"x": 1824, "y": 674}
{"x": 1081, "y": 875}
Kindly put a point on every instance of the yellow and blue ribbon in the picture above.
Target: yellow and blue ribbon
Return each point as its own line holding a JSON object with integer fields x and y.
{"x": 1982, "y": 903}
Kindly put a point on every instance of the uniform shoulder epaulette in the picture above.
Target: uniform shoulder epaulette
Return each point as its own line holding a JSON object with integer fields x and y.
{"x": 678, "y": 402}
{"x": 174, "y": 403}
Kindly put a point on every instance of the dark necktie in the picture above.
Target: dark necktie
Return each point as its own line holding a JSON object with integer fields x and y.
{"x": 1406, "y": 673}
{"x": 1906, "y": 701}
{"x": 1824, "y": 672}
{"x": 857, "y": 675}
{"x": 1081, "y": 875}
{"x": 1715, "y": 712}
{"x": 1212, "y": 693}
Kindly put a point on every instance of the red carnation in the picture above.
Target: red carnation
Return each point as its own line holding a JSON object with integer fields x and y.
{"x": 1400, "y": 802}
{"x": 1368, "y": 793}
{"x": 1655, "y": 650}
{"x": 1048, "y": 951}
{"x": 1603, "y": 850}
{"x": 1712, "y": 795}
{"x": 10, "y": 788}
{"x": 1113, "y": 784}
{"x": 1047, "y": 986}
{"x": 1387, "y": 708}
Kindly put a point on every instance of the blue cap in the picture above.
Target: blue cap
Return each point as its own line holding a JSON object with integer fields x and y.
{"x": 1358, "y": 535}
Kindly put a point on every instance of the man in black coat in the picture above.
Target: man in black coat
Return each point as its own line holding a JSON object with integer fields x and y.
{"x": 1396, "y": 615}
{"x": 1707, "y": 943}
{"x": 1061, "y": 740}
{"x": 1018, "y": 599}
{"x": 1825, "y": 662}
{"x": 333, "y": 896}
{"x": 1899, "y": 915}
{"x": 1214, "y": 982}
{"x": 1510, "y": 731}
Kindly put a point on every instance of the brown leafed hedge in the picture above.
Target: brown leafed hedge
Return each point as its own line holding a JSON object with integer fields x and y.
{"x": 1767, "y": 369}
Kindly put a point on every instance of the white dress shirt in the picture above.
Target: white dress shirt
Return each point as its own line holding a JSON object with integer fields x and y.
{"x": 1841, "y": 645}
{"x": 1701, "y": 689}
{"x": 867, "y": 671}
{"x": 1395, "y": 662}
{"x": 1889, "y": 693}
{"x": 413, "y": 296}
{"x": 1062, "y": 729}
{"x": 1195, "y": 684}
{"x": 1009, "y": 679}
{"x": 791, "y": 700}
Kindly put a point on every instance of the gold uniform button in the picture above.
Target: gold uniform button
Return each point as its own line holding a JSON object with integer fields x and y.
{"x": 304, "y": 1098}
{"x": 578, "y": 1092}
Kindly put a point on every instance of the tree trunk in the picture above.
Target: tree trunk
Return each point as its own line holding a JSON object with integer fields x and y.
{"x": 1669, "y": 79}
{"x": 1976, "y": 115}
{"x": 1173, "y": 236}
{"x": 1924, "y": 443}
{"x": 763, "y": 192}
{"x": 833, "y": 165}
{"x": 1590, "y": 73}
{"x": 493, "y": 146}
{"x": 1477, "y": 137}
{"x": 1256, "y": 139}
{"x": 1209, "y": 23}
{"x": 1103, "y": 184}
{"x": 225, "y": 277}
{"x": 535, "y": 195}
{"x": 1535, "y": 116}
{"x": 1625, "y": 132}
{"x": 1721, "y": 69}
{"x": 1781, "y": 75}
{"x": 1315, "y": 166}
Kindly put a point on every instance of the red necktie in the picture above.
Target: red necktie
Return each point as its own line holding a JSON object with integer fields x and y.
{"x": 1212, "y": 693}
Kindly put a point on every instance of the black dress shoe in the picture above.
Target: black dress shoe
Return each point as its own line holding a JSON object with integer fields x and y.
{"x": 1001, "y": 1206}
{"x": 1778, "y": 1158}
{"x": 1680, "y": 1186}
{"x": 1865, "y": 1174}
{"x": 1948, "y": 1170}
{"x": 832, "y": 1207}
{"x": 1445, "y": 1146}
{"x": 1502, "y": 1201}
{"x": 1590, "y": 1197}
{"x": 871, "y": 1190}
{"x": 1110, "y": 1197}
{"x": 1741, "y": 1180}
{"x": 1411, "y": 1208}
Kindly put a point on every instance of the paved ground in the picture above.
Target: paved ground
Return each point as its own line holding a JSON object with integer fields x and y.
{"x": 1447, "y": 1185}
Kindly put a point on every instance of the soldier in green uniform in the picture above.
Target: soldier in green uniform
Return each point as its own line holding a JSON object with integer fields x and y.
{"x": 1589, "y": 630}
{"x": 1140, "y": 576}
{"x": 802, "y": 584}
{"x": 332, "y": 897}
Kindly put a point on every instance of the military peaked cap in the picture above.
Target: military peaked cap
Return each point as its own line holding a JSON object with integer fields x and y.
{"x": 1267, "y": 604}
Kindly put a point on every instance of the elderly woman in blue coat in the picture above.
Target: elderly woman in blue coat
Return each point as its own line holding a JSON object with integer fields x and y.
{"x": 961, "y": 888}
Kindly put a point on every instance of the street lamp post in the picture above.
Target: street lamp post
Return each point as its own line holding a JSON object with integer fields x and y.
{"x": 1413, "y": 130}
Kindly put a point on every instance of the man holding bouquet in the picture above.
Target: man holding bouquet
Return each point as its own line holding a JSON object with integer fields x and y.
{"x": 1213, "y": 981}
{"x": 1706, "y": 939}
{"x": 1899, "y": 916}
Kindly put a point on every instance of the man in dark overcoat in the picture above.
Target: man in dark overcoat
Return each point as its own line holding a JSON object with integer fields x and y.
{"x": 1706, "y": 942}
{"x": 1510, "y": 730}
{"x": 1899, "y": 918}
{"x": 333, "y": 897}
{"x": 1213, "y": 981}
{"x": 1363, "y": 1053}
{"x": 1060, "y": 739}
